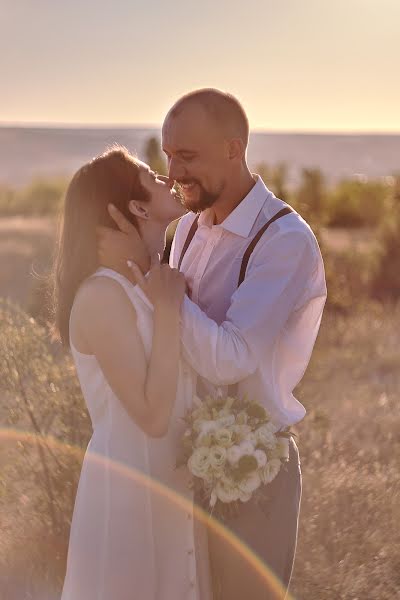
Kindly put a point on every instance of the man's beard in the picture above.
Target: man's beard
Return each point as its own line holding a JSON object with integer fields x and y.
{"x": 204, "y": 200}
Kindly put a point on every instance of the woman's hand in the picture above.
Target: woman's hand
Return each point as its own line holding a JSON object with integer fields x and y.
{"x": 163, "y": 286}
{"x": 116, "y": 246}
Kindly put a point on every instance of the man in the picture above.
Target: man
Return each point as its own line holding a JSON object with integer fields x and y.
{"x": 253, "y": 314}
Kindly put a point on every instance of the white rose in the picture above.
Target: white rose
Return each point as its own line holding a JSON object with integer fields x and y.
{"x": 261, "y": 458}
{"x": 251, "y": 483}
{"x": 233, "y": 454}
{"x": 199, "y": 462}
{"x": 265, "y": 436}
{"x": 223, "y": 437}
{"x": 271, "y": 470}
{"x": 226, "y": 490}
{"x": 217, "y": 457}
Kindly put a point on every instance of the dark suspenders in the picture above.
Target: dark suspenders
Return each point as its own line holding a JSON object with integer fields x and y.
{"x": 256, "y": 239}
{"x": 169, "y": 238}
{"x": 246, "y": 257}
{"x": 189, "y": 238}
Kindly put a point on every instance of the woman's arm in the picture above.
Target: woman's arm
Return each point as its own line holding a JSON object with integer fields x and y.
{"x": 104, "y": 322}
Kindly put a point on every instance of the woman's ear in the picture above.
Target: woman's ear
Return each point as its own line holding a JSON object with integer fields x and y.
{"x": 138, "y": 209}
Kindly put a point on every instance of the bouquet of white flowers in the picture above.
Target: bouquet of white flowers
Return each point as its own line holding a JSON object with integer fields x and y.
{"x": 232, "y": 448}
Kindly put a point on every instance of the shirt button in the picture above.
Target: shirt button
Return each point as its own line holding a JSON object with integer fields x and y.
{"x": 188, "y": 516}
{"x": 190, "y": 551}
{"x": 192, "y": 584}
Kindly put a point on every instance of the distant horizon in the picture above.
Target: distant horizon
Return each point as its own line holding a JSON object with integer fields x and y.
{"x": 141, "y": 126}
{"x": 33, "y": 149}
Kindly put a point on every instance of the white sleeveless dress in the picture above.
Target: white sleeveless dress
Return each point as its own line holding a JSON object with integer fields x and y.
{"x": 131, "y": 535}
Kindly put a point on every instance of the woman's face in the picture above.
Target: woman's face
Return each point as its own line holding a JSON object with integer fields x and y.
{"x": 164, "y": 205}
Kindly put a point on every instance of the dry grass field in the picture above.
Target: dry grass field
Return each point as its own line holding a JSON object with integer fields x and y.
{"x": 25, "y": 246}
{"x": 349, "y": 542}
{"x": 349, "y": 539}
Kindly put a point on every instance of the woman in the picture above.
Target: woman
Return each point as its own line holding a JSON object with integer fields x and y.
{"x": 131, "y": 536}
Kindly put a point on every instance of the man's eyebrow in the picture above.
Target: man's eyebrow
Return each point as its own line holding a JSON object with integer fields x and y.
{"x": 181, "y": 151}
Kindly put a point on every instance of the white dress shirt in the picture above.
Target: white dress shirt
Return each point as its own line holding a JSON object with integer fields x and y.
{"x": 260, "y": 335}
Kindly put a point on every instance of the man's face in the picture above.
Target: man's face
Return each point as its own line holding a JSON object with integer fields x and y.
{"x": 197, "y": 156}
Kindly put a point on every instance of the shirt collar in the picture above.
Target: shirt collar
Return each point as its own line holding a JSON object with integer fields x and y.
{"x": 241, "y": 220}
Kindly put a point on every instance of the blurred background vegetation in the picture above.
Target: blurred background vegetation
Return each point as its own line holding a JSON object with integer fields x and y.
{"x": 349, "y": 441}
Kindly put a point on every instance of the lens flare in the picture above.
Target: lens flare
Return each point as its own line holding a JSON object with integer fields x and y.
{"x": 272, "y": 583}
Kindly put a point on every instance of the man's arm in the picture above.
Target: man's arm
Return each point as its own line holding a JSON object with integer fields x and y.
{"x": 279, "y": 281}
{"x": 280, "y": 277}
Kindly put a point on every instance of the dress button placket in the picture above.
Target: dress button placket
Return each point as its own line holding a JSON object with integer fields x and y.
{"x": 191, "y": 557}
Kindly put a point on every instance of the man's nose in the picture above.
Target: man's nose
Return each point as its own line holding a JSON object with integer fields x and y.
{"x": 175, "y": 169}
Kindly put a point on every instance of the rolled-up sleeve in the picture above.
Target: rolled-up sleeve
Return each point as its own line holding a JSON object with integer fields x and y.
{"x": 278, "y": 282}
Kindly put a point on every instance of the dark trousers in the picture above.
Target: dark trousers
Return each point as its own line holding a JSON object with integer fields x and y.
{"x": 269, "y": 529}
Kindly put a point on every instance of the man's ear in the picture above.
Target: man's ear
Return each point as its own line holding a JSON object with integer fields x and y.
{"x": 236, "y": 149}
{"x": 139, "y": 209}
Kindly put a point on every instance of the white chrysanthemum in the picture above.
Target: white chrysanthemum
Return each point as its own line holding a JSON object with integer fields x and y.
{"x": 224, "y": 412}
{"x": 204, "y": 426}
{"x": 265, "y": 436}
{"x": 261, "y": 458}
{"x": 233, "y": 454}
{"x": 244, "y": 497}
{"x": 226, "y": 490}
{"x": 199, "y": 462}
{"x": 251, "y": 483}
{"x": 252, "y": 438}
{"x": 223, "y": 437}
{"x": 225, "y": 421}
{"x": 247, "y": 447}
{"x": 271, "y": 470}
{"x": 273, "y": 428}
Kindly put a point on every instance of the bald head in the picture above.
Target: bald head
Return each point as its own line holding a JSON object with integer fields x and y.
{"x": 225, "y": 113}
{"x": 204, "y": 137}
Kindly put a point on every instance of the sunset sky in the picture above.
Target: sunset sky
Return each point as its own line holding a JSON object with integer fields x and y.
{"x": 303, "y": 65}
